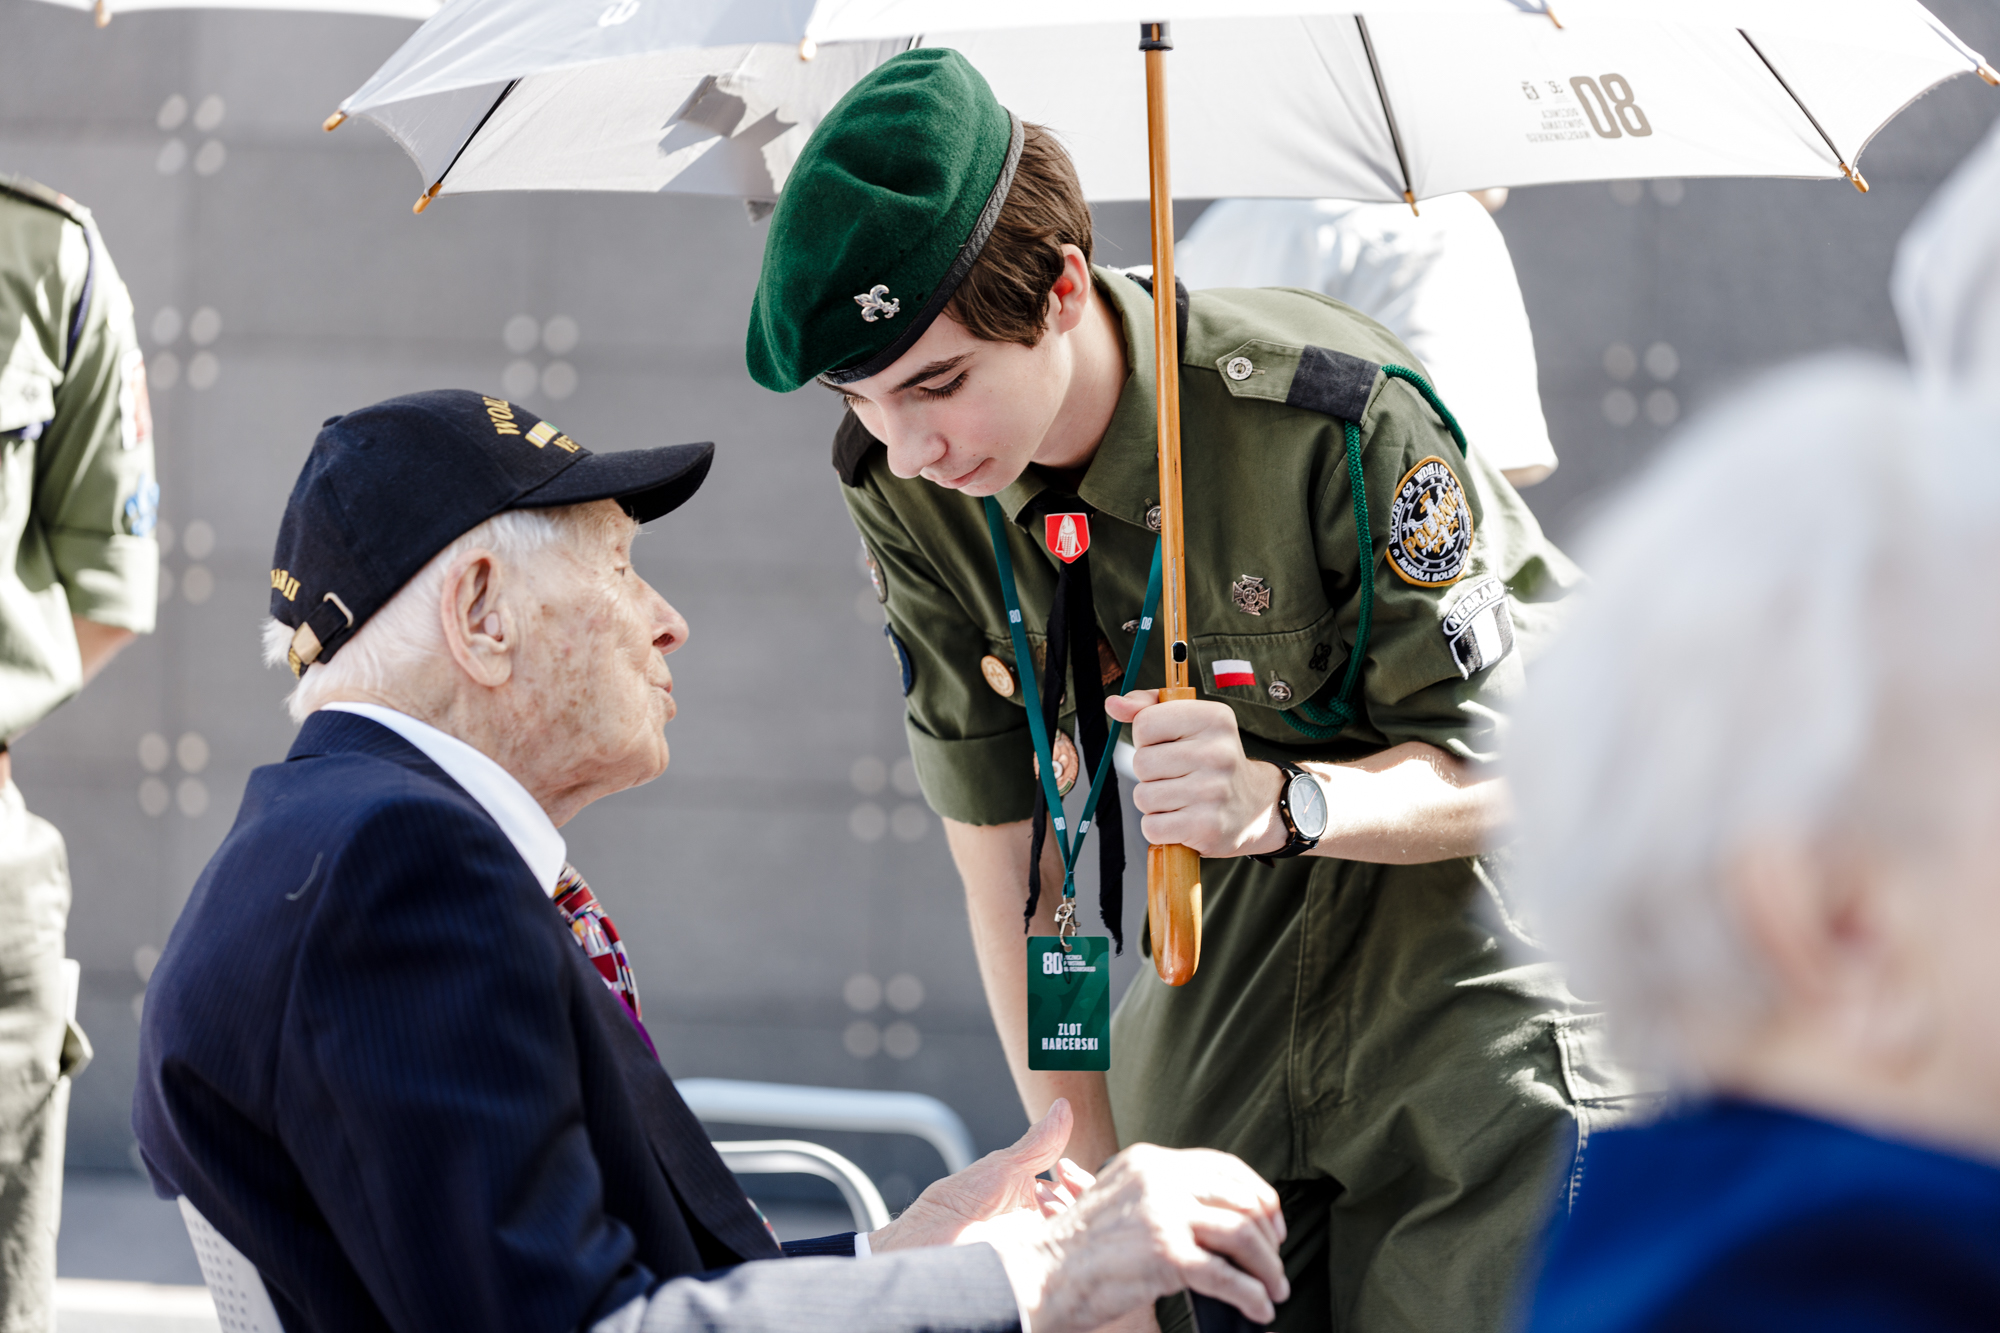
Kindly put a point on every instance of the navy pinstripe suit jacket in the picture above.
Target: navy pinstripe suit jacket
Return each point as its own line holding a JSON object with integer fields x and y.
{"x": 375, "y": 1059}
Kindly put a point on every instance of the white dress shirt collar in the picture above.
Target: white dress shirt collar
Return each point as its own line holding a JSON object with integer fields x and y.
{"x": 519, "y": 815}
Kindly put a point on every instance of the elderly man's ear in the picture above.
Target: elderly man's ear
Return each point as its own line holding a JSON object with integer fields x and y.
{"x": 480, "y": 629}
{"x": 1833, "y": 926}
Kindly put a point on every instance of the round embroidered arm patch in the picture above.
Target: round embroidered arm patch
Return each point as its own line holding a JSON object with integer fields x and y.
{"x": 1430, "y": 525}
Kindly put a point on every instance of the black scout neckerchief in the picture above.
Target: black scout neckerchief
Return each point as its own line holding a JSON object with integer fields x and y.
{"x": 1069, "y": 979}
{"x": 1072, "y": 639}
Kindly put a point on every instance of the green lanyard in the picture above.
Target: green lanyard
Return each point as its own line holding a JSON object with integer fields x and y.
{"x": 1024, "y": 665}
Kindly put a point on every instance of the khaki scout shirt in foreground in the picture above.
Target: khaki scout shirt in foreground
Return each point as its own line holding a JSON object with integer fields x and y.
{"x": 77, "y": 494}
{"x": 1340, "y": 1007}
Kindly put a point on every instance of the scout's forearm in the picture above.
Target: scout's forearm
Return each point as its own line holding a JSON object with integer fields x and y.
{"x": 97, "y": 644}
{"x": 993, "y": 862}
{"x": 1409, "y": 804}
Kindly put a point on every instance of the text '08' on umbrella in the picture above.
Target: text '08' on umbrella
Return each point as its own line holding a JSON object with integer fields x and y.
{"x": 1385, "y": 100}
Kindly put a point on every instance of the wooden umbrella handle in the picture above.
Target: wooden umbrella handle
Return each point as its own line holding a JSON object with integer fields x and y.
{"x": 1173, "y": 906}
{"x": 1173, "y": 899}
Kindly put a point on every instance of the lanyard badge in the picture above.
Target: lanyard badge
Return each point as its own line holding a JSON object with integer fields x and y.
{"x": 1069, "y": 975}
{"x": 1069, "y": 998}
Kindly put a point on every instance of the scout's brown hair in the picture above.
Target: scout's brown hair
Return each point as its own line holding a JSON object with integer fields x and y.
{"x": 1005, "y": 298}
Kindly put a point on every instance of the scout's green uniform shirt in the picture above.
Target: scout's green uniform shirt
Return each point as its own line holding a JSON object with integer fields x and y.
{"x": 1266, "y": 498}
{"x": 77, "y": 492}
{"x": 1245, "y": 1056}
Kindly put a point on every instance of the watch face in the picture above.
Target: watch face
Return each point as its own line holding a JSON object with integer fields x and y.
{"x": 1307, "y": 804}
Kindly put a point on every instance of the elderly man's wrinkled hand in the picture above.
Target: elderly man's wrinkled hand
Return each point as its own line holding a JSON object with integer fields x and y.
{"x": 1154, "y": 1222}
{"x": 1000, "y": 1185}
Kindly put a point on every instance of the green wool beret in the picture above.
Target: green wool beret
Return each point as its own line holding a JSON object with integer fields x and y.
{"x": 887, "y": 209}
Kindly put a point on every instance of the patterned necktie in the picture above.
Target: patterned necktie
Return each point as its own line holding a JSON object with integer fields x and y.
{"x": 598, "y": 937}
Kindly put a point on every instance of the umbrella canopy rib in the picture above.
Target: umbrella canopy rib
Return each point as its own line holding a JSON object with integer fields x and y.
{"x": 424, "y": 200}
{"x": 1853, "y": 175}
{"x": 1388, "y": 113}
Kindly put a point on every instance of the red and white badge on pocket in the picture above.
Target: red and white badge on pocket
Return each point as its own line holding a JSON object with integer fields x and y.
{"x": 1232, "y": 671}
{"x": 1068, "y": 535}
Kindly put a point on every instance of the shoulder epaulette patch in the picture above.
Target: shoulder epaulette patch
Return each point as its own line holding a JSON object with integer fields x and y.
{"x": 851, "y": 444}
{"x": 1181, "y": 299}
{"x": 34, "y": 192}
{"x": 1332, "y": 383}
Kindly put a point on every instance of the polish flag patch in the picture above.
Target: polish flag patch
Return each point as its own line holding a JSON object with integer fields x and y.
{"x": 1229, "y": 671}
{"x": 1068, "y": 535}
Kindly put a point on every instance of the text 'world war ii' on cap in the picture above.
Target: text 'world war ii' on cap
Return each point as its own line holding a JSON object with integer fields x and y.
{"x": 886, "y": 211}
{"x": 388, "y": 487}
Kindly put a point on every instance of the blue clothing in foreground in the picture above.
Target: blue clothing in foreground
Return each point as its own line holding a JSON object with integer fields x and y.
{"x": 1733, "y": 1216}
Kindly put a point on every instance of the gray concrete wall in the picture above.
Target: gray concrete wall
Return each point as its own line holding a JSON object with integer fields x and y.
{"x": 781, "y": 856}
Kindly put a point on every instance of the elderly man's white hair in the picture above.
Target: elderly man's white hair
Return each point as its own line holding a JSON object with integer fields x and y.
{"x": 1793, "y": 629}
{"x": 1947, "y": 278}
{"x": 408, "y": 628}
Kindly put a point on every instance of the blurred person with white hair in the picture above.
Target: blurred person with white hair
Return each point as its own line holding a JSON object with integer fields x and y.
{"x": 1757, "y": 784}
{"x": 1946, "y": 282}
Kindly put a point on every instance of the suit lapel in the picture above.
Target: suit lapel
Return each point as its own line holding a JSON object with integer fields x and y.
{"x": 706, "y": 1186}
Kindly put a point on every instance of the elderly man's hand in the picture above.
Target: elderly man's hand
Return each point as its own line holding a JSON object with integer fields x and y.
{"x": 997, "y": 1185}
{"x": 1155, "y": 1221}
{"x": 1083, "y": 1251}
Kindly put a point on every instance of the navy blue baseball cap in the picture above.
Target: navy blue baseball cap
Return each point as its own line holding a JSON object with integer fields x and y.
{"x": 388, "y": 487}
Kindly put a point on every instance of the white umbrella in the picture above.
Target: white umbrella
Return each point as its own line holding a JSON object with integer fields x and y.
{"x": 1352, "y": 99}
{"x": 1358, "y": 99}
{"x": 401, "y": 9}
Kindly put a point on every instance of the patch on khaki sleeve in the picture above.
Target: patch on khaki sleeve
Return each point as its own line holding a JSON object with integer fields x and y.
{"x": 876, "y": 579}
{"x": 1430, "y": 526}
{"x": 142, "y": 508}
{"x": 135, "y": 407}
{"x": 1480, "y": 625}
{"x": 906, "y": 666}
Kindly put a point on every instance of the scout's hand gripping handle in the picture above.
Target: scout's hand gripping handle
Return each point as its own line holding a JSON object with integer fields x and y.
{"x": 1173, "y": 898}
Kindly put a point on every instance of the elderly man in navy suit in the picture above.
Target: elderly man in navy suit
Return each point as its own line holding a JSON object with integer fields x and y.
{"x": 393, "y": 1051}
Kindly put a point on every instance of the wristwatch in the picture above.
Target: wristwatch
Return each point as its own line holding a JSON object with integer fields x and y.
{"x": 1302, "y": 807}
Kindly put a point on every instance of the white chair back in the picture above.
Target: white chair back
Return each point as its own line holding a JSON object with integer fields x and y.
{"x": 242, "y": 1305}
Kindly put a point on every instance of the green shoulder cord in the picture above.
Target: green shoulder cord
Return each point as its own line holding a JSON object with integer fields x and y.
{"x": 1024, "y": 666}
{"x": 1325, "y": 721}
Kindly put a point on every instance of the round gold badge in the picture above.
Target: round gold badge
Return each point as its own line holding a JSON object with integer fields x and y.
{"x": 998, "y": 675}
{"x": 1067, "y": 763}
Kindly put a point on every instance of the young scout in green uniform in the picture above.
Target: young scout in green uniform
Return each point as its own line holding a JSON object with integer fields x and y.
{"x": 1355, "y": 1031}
{"x": 79, "y": 573}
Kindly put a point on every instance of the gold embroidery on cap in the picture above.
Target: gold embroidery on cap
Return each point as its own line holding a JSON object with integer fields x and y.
{"x": 502, "y": 413}
{"x": 283, "y": 581}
